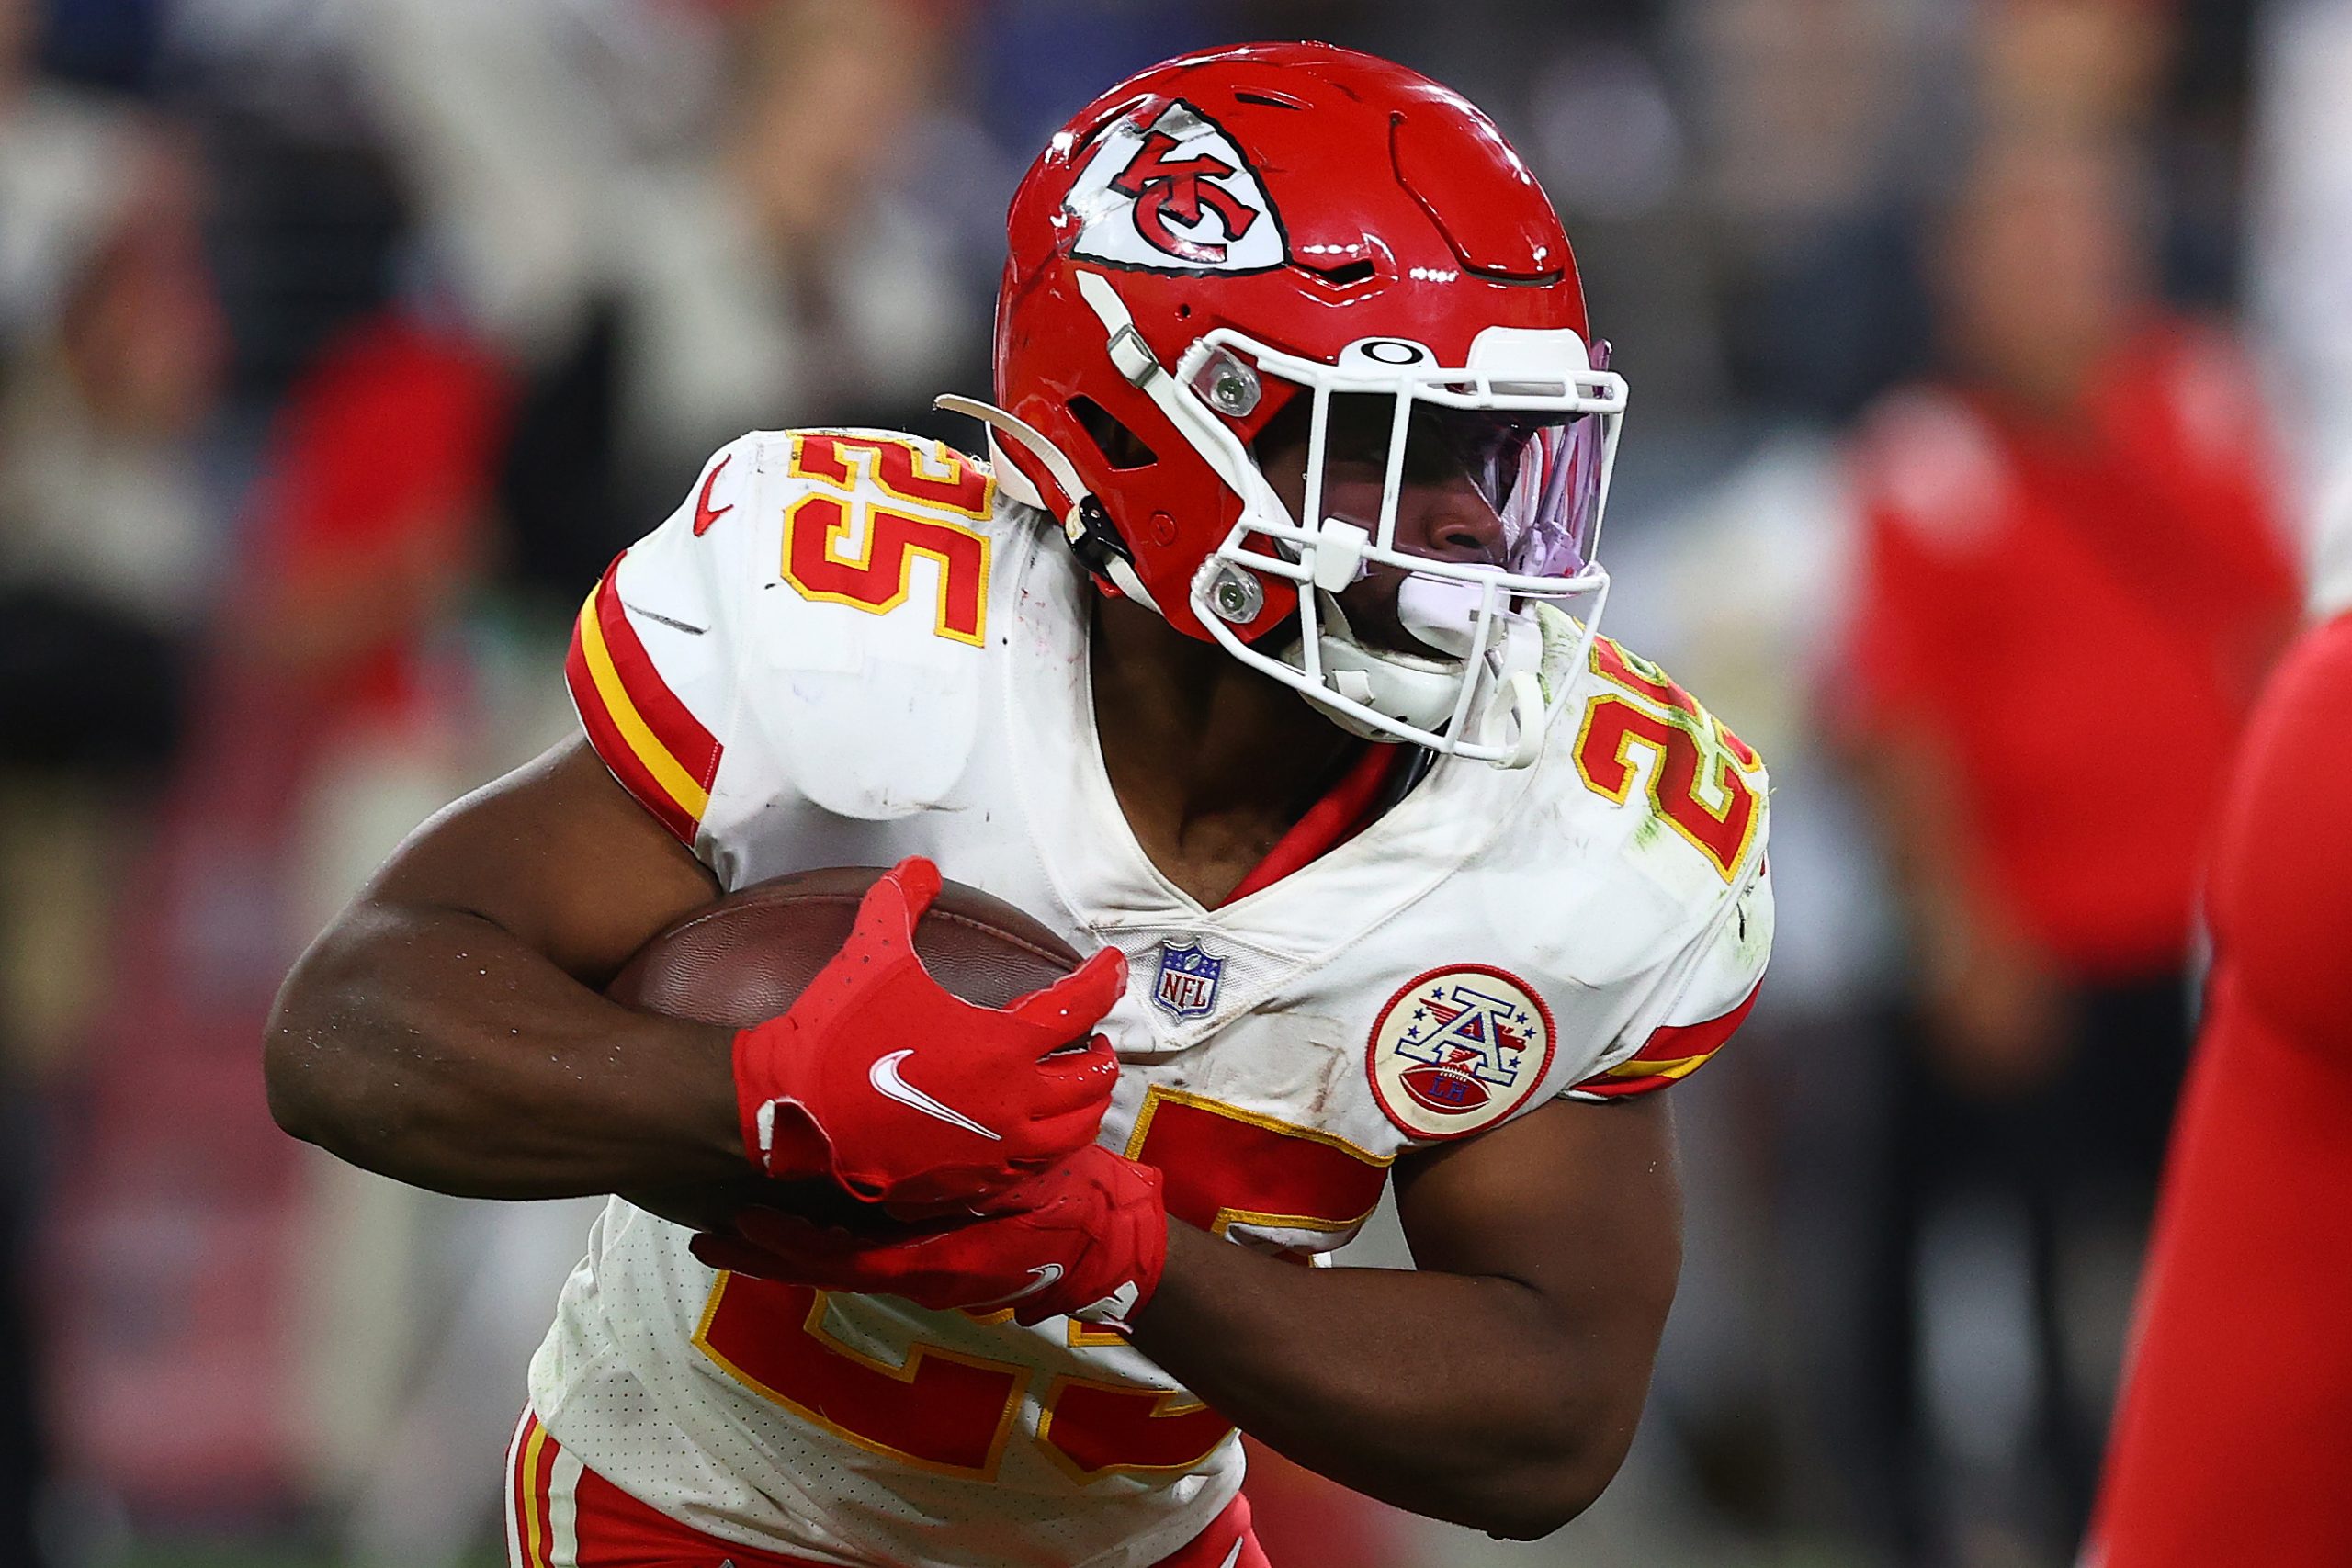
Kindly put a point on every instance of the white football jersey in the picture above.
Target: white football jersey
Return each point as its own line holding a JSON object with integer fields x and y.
{"x": 848, "y": 647}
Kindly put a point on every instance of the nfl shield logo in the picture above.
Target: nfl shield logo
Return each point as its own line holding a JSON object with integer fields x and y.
{"x": 1188, "y": 978}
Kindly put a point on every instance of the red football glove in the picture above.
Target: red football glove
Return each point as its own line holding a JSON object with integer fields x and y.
{"x": 1086, "y": 1239}
{"x": 881, "y": 1080}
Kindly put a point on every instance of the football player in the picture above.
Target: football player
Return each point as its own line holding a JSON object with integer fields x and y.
{"x": 1261, "y": 658}
{"x": 2229, "y": 1439}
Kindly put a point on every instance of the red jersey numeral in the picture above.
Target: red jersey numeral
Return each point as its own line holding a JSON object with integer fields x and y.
{"x": 952, "y": 1413}
{"x": 937, "y": 1409}
{"x": 942, "y": 480}
{"x": 1222, "y": 1166}
{"x": 1093, "y": 1429}
{"x": 1226, "y": 1166}
{"x": 935, "y": 487}
{"x": 1696, "y": 783}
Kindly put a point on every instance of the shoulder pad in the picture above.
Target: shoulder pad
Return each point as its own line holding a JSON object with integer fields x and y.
{"x": 878, "y": 556}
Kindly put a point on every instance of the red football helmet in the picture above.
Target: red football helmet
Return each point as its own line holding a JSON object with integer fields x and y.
{"x": 1281, "y": 247}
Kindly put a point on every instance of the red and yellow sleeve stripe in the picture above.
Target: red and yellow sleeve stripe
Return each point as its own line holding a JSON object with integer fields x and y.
{"x": 659, "y": 750}
{"x": 1670, "y": 1054}
{"x": 528, "y": 1493}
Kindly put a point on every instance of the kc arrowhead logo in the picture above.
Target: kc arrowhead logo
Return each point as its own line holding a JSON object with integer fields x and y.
{"x": 1175, "y": 196}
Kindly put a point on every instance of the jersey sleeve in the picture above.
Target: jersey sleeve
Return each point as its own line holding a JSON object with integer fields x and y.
{"x": 652, "y": 667}
{"x": 1709, "y": 989}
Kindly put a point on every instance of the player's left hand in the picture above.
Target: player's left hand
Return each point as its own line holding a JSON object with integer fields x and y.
{"x": 998, "y": 1095}
{"x": 1086, "y": 1239}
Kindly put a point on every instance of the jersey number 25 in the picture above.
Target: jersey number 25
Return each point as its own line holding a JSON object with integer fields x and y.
{"x": 907, "y": 502}
{"x": 952, "y": 1413}
{"x": 1698, "y": 783}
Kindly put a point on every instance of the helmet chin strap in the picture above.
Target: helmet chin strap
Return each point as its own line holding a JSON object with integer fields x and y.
{"x": 1421, "y": 690}
{"x": 1100, "y": 553}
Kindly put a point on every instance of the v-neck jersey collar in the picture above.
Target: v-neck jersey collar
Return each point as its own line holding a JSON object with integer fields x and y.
{"x": 1347, "y": 808}
{"x": 1099, "y": 869}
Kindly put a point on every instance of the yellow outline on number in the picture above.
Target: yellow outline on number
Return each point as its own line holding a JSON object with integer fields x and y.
{"x": 1730, "y": 773}
{"x": 862, "y": 461}
{"x": 917, "y": 1354}
{"x": 908, "y": 549}
{"x": 1171, "y": 1401}
{"x": 1084, "y": 1335}
{"x": 1156, "y": 1095}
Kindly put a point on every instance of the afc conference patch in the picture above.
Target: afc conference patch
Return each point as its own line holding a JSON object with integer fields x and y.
{"x": 1457, "y": 1050}
{"x": 1188, "y": 978}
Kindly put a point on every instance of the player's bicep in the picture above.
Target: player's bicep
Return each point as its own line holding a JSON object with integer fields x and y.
{"x": 587, "y": 852}
{"x": 559, "y": 854}
{"x": 1580, "y": 1201}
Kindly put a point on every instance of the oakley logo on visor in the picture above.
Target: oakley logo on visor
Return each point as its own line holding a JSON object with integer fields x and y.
{"x": 1174, "y": 197}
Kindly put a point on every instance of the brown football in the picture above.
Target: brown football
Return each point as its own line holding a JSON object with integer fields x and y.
{"x": 744, "y": 959}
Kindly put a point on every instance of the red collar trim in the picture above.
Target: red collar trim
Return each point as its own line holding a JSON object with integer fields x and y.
{"x": 1329, "y": 823}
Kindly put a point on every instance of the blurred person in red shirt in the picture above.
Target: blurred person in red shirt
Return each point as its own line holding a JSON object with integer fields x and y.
{"x": 2229, "y": 1442}
{"x": 2070, "y": 584}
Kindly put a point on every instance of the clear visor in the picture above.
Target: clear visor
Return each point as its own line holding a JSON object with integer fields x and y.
{"x": 1415, "y": 507}
{"x": 1450, "y": 470}
{"x": 1515, "y": 492}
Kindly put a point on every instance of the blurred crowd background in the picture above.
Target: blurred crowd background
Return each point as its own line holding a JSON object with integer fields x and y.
{"x": 1992, "y": 370}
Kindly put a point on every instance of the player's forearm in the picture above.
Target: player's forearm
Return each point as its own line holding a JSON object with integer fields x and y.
{"x": 1464, "y": 1398}
{"x": 434, "y": 1047}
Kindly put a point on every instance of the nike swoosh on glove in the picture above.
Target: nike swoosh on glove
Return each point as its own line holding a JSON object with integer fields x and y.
{"x": 1088, "y": 1239}
{"x": 881, "y": 1080}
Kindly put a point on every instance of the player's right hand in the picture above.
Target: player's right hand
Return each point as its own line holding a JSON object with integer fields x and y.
{"x": 1086, "y": 1239}
{"x": 880, "y": 1079}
